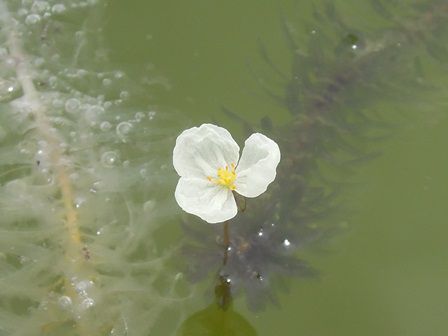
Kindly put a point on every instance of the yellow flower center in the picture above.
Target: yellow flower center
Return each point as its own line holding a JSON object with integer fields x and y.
{"x": 225, "y": 177}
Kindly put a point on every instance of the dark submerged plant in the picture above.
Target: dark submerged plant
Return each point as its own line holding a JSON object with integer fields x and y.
{"x": 340, "y": 77}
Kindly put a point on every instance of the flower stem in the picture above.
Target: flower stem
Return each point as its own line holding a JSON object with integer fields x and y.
{"x": 226, "y": 238}
{"x": 240, "y": 202}
{"x": 222, "y": 289}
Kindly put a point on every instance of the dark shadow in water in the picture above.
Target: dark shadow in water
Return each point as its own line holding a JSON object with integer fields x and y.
{"x": 329, "y": 90}
{"x": 218, "y": 319}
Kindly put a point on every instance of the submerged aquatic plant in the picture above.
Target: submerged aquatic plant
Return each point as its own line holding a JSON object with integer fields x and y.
{"x": 80, "y": 180}
{"x": 84, "y": 167}
{"x": 207, "y": 159}
{"x": 339, "y": 78}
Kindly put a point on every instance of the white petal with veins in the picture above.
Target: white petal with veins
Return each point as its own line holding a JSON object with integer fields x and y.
{"x": 201, "y": 151}
{"x": 257, "y": 166}
{"x": 211, "y": 202}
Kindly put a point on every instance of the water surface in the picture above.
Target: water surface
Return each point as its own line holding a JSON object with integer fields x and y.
{"x": 93, "y": 241}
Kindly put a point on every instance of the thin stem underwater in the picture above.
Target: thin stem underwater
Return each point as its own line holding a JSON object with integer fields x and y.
{"x": 58, "y": 161}
{"x": 226, "y": 241}
{"x": 222, "y": 289}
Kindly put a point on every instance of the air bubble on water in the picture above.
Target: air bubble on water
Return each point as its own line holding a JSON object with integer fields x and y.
{"x": 72, "y": 105}
{"x": 24, "y": 151}
{"x": 124, "y": 95}
{"x": 107, "y": 82}
{"x": 58, "y": 121}
{"x": 139, "y": 116}
{"x": 81, "y": 73}
{"x": 86, "y": 304}
{"x": 38, "y": 61}
{"x": 41, "y": 157}
{"x": 118, "y": 74}
{"x": 151, "y": 115}
{"x": 107, "y": 105}
{"x": 97, "y": 185}
{"x": 110, "y": 159}
{"x": 149, "y": 206}
{"x": 43, "y": 305}
{"x": 52, "y": 81}
{"x": 144, "y": 173}
{"x": 286, "y": 243}
{"x": 10, "y": 62}
{"x": 97, "y": 109}
{"x": 9, "y": 89}
{"x": 65, "y": 302}
{"x": 40, "y": 7}
{"x": 82, "y": 286}
{"x": 92, "y": 113}
{"x": 123, "y": 129}
{"x": 24, "y": 260}
{"x": 126, "y": 163}
{"x": 58, "y": 8}
{"x": 105, "y": 126}
{"x": 79, "y": 202}
{"x": 32, "y": 19}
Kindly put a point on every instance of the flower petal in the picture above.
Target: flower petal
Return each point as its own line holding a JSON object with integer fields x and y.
{"x": 211, "y": 202}
{"x": 201, "y": 151}
{"x": 257, "y": 166}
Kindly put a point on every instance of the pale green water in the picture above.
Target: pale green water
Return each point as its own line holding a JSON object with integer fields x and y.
{"x": 380, "y": 253}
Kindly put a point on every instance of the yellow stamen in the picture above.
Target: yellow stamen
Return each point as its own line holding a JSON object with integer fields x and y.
{"x": 225, "y": 177}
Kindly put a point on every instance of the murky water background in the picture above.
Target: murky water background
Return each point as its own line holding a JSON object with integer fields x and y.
{"x": 92, "y": 241}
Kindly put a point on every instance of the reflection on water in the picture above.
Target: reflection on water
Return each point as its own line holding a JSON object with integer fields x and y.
{"x": 219, "y": 318}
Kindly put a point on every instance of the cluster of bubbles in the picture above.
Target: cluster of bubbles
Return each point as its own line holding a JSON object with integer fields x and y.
{"x": 34, "y": 11}
{"x": 89, "y": 118}
{"x": 76, "y": 304}
{"x": 9, "y": 86}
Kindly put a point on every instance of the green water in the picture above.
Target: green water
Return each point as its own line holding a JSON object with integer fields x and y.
{"x": 380, "y": 258}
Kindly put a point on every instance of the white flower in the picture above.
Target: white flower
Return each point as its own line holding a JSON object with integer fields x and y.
{"x": 207, "y": 161}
